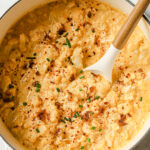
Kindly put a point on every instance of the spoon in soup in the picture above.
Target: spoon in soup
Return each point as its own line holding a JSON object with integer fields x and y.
{"x": 105, "y": 65}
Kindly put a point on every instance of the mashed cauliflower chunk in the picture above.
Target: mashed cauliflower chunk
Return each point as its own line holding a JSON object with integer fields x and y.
{"x": 49, "y": 103}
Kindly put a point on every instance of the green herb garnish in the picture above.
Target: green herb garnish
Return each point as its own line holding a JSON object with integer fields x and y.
{"x": 100, "y": 130}
{"x": 89, "y": 140}
{"x": 141, "y": 98}
{"x": 77, "y": 29}
{"x": 57, "y": 89}
{"x": 48, "y": 59}
{"x": 11, "y": 86}
{"x": 81, "y": 106}
{"x": 93, "y": 128}
{"x": 80, "y": 89}
{"x": 38, "y": 85}
{"x": 68, "y": 42}
{"x": 89, "y": 100}
{"x": 82, "y": 77}
{"x": 66, "y": 34}
{"x": 37, "y": 90}
{"x": 64, "y": 43}
{"x": 62, "y": 121}
{"x": 37, "y": 130}
{"x": 30, "y": 57}
{"x": 97, "y": 97}
{"x": 91, "y": 113}
{"x": 13, "y": 97}
{"x": 82, "y": 99}
{"x": 34, "y": 54}
{"x": 67, "y": 119}
{"x": 81, "y": 71}
{"x": 82, "y": 147}
{"x": 24, "y": 103}
{"x": 76, "y": 115}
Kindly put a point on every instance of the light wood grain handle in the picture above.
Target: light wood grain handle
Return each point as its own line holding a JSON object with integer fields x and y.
{"x": 128, "y": 27}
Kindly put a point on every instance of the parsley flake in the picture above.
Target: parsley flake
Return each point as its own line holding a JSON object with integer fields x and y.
{"x": 57, "y": 89}
{"x": 24, "y": 103}
{"x": 37, "y": 130}
{"x": 82, "y": 147}
{"x": 89, "y": 100}
{"x": 67, "y": 119}
{"x": 76, "y": 115}
{"x": 141, "y": 98}
{"x": 81, "y": 106}
{"x": 97, "y": 97}
{"x": 66, "y": 34}
{"x": 89, "y": 140}
{"x": 62, "y": 121}
{"x": 81, "y": 71}
{"x": 68, "y": 42}
{"x": 48, "y": 59}
{"x": 11, "y": 86}
{"x": 100, "y": 130}
{"x": 93, "y": 128}
{"x": 82, "y": 77}
{"x": 37, "y": 90}
{"x": 77, "y": 29}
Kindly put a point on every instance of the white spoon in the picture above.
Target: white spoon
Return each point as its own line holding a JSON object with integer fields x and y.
{"x": 105, "y": 65}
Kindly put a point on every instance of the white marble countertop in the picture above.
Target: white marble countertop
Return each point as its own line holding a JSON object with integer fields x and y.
{"x": 143, "y": 145}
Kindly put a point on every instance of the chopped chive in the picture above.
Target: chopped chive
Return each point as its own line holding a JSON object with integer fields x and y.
{"x": 68, "y": 42}
{"x": 91, "y": 113}
{"x": 37, "y": 90}
{"x": 56, "y": 41}
{"x": 82, "y": 99}
{"x": 57, "y": 89}
{"x": 89, "y": 140}
{"x": 100, "y": 130}
{"x": 82, "y": 77}
{"x": 93, "y": 30}
{"x": 62, "y": 121}
{"x": 81, "y": 118}
{"x": 77, "y": 29}
{"x": 64, "y": 43}
{"x": 81, "y": 106}
{"x": 37, "y": 130}
{"x": 34, "y": 54}
{"x": 48, "y": 59}
{"x": 76, "y": 115}
{"x": 71, "y": 63}
{"x": 66, "y": 34}
{"x": 89, "y": 100}
{"x": 93, "y": 128}
{"x": 38, "y": 85}
{"x": 82, "y": 147}
{"x": 141, "y": 98}
{"x": 68, "y": 59}
{"x": 24, "y": 103}
{"x": 11, "y": 86}
{"x": 80, "y": 89}
{"x": 67, "y": 119}
{"x": 30, "y": 57}
{"x": 97, "y": 97}
{"x": 81, "y": 71}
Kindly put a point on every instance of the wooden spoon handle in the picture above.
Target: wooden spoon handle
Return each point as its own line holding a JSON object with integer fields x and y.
{"x": 130, "y": 24}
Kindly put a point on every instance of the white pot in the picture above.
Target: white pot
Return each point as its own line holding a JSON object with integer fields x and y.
{"x": 18, "y": 10}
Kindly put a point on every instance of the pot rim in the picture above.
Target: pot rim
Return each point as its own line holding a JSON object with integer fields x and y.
{"x": 132, "y": 4}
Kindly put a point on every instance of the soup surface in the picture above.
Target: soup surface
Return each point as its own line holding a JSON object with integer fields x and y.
{"x": 48, "y": 102}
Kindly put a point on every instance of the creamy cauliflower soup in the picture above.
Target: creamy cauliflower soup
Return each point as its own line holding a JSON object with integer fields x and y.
{"x": 48, "y": 102}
